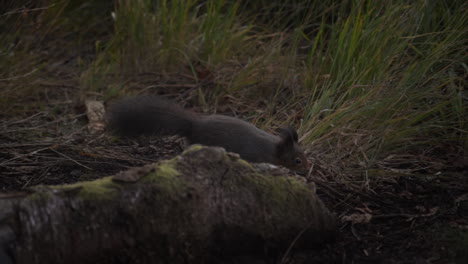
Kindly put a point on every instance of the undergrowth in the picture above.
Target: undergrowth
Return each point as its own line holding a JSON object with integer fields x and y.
{"x": 363, "y": 80}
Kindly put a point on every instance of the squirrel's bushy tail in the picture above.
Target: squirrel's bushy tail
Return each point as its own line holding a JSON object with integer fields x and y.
{"x": 149, "y": 115}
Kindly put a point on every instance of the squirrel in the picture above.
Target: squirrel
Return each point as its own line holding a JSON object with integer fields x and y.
{"x": 150, "y": 114}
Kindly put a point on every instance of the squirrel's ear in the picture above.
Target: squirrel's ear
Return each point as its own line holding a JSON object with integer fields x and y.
{"x": 288, "y": 137}
{"x": 288, "y": 133}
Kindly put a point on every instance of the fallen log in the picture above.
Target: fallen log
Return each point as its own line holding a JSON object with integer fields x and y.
{"x": 202, "y": 206}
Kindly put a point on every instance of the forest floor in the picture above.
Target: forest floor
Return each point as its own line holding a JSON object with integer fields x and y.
{"x": 394, "y": 217}
{"x": 397, "y": 218}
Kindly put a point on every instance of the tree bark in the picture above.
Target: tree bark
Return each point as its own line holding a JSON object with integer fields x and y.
{"x": 202, "y": 206}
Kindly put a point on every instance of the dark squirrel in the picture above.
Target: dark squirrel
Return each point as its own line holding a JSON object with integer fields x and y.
{"x": 148, "y": 115}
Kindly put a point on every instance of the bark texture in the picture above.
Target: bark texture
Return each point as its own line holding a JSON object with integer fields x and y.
{"x": 200, "y": 207}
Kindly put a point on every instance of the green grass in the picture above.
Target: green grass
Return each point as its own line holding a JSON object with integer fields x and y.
{"x": 391, "y": 84}
{"x": 361, "y": 79}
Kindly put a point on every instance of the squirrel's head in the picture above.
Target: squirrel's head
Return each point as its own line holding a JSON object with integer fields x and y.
{"x": 288, "y": 152}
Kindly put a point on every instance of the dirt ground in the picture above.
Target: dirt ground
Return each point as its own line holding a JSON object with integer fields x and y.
{"x": 387, "y": 216}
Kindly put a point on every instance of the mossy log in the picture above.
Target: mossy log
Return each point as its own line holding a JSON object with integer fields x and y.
{"x": 202, "y": 206}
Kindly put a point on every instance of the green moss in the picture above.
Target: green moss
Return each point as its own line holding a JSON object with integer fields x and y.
{"x": 244, "y": 163}
{"x": 297, "y": 184}
{"x": 103, "y": 188}
{"x": 166, "y": 178}
{"x": 39, "y": 195}
{"x": 192, "y": 148}
{"x": 164, "y": 170}
{"x": 279, "y": 191}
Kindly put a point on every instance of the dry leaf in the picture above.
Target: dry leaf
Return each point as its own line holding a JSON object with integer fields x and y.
{"x": 95, "y": 113}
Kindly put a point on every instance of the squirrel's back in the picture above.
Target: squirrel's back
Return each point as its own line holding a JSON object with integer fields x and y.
{"x": 149, "y": 115}
{"x": 235, "y": 135}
